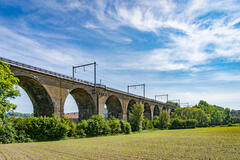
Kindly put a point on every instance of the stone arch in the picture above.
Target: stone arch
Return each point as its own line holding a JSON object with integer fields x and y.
{"x": 114, "y": 107}
{"x": 129, "y": 107}
{"x": 40, "y": 98}
{"x": 156, "y": 111}
{"x": 85, "y": 103}
{"x": 147, "y": 111}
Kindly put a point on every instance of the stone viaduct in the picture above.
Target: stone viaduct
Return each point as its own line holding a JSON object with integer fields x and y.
{"x": 48, "y": 91}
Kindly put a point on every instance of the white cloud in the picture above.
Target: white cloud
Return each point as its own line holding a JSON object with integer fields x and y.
{"x": 225, "y": 99}
{"x": 16, "y": 46}
{"x": 152, "y": 15}
{"x": 193, "y": 93}
{"x": 90, "y": 25}
{"x": 225, "y": 76}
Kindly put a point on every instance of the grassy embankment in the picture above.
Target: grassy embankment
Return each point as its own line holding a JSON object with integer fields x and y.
{"x": 200, "y": 143}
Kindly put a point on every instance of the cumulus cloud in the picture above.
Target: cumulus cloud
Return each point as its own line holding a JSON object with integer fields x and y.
{"x": 198, "y": 30}
{"x": 16, "y": 46}
{"x": 197, "y": 20}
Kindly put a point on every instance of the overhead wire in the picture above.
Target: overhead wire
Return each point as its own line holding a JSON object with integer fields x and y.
{"x": 106, "y": 79}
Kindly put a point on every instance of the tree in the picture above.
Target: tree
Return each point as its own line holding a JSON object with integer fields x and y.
{"x": 8, "y": 89}
{"x": 163, "y": 120}
{"x": 192, "y": 113}
{"x": 216, "y": 118}
{"x": 234, "y": 116}
{"x": 227, "y": 116}
{"x": 136, "y": 117}
{"x": 216, "y": 113}
{"x": 202, "y": 118}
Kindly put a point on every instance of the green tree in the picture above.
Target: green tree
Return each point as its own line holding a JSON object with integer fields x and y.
{"x": 136, "y": 117}
{"x": 8, "y": 89}
{"x": 234, "y": 116}
{"x": 202, "y": 118}
{"x": 216, "y": 113}
{"x": 216, "y": 117}
{"x": 227, "y": 116}
{"x": 163, "y": 120}
{"x": 192, "y": 113}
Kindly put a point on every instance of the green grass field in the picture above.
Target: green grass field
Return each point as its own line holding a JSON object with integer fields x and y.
{"x": 201, "y": 143}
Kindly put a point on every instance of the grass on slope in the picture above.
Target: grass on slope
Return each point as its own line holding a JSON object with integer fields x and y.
{"x": 200, "y": 143}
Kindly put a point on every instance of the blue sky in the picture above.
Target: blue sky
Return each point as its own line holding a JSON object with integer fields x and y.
{"x": 187, "y": 49}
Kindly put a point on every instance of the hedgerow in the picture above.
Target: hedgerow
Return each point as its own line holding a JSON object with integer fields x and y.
{"x": 182, "y": 124}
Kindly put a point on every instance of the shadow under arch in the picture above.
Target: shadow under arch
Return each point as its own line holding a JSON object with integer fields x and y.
{"x": 42, "y": 102}
{"x": 114, "y": 107}
{"x": 130, "y": 107}
{"x": 164, "y": 108}
{"x": 85, "y": 103}
{"x": 156, "y": 111}
{"x": 172, "y": 111}
{"x": 147, "y": 111}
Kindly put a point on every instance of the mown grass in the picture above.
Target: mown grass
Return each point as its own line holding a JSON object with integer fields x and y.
{"x": 200, "y": 143}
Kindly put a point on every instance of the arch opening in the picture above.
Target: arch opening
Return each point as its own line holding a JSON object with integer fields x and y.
{"x": 71, "y": 108}
{"x": 147, "y": 111}
{"x": 42, "y": 103}
{"x": 171, "y": 111}
{"x": 164, "y": 108}
{"x": 114, "y": 107}
{"x": 156, "y": 111}
{"x": 130, "y": 107}
{"x": 24, "y": 104}
{"x": 85, "y": 103}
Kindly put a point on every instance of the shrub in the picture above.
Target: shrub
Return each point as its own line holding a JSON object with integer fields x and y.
{"x": 125, "y": 127}
{"x": 155, "y": 121}
{"x": 163, "y": 121}
{"x": 20, "y": 127}
{"x": 181, "y": 124}
{"x": 147, "y": 124}
{"x": 136, "y": 117}
{"x": 106, "y": 129}
{"x": 97, "y": 126}
{"x": 114, "y": 125}
{"x": 177, "y": 123}
{"x": 192, "y": 113}
{"x": 22, "y": 137}
{"x": 45, "y": 128}
{"x": 7, "y": 133}
{"x": 71, "y": 126}
{"x": 191, "y": 123}
{"x": 81, "y": 128}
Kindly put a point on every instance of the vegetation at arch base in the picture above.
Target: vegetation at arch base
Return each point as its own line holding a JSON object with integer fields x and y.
{"x": 52, "y": 128}
{"x": 200, "y": 115}
{"x": 205, "y": 114}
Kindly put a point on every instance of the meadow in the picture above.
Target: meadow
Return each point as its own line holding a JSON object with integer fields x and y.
{"x": 199, "y": 143}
